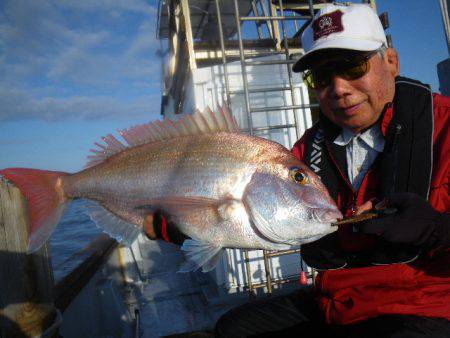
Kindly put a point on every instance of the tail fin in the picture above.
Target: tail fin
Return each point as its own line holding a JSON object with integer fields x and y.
{"x": 46, "y": 202}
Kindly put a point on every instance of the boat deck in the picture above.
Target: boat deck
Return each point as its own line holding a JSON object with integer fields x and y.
{"x": 137, "y": 292}
{"x": 172, "y": 303}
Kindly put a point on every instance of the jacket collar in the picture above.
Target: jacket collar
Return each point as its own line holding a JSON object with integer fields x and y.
{"x": 371, "y": 137}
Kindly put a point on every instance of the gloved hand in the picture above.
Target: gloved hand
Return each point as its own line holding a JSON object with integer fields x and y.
{"x": 415, "y": 223}
{"x": 159, "y": 226}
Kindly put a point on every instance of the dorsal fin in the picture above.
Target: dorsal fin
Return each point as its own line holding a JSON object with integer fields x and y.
{"x": 204, "y": 122}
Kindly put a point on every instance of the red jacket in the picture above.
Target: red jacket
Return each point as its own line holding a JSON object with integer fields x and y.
{"x": 423, "y": 288}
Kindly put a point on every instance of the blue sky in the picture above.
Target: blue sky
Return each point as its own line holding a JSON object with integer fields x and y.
{"x": 72, "y": 71}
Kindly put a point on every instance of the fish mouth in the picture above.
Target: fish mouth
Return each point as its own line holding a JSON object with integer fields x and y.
{"x": 327, "y": 215}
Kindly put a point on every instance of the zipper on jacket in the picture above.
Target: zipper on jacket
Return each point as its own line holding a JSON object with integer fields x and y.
{"x": 398, "y": 131}
{"x": 352, "y": 206}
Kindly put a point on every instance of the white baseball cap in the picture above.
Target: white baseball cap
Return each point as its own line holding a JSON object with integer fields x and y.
{"x": 352, "y": 27}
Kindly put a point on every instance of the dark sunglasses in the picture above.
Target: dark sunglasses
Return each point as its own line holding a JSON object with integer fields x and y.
{"x": 348, "y": 69}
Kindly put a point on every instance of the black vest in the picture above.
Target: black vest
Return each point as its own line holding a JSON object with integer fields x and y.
{"x": 405, "y": 165}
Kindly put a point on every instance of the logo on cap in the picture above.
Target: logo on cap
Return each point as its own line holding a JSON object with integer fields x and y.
{"x": 327, "y": 24}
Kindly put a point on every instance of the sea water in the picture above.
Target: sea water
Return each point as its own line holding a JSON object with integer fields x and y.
{"x": 73, "y": 233}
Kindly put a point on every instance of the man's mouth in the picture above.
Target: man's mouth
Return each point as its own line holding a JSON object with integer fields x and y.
{"x": 350, "y": 110}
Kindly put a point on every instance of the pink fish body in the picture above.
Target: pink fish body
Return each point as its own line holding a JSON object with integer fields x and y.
{"x": 221, "y": 187}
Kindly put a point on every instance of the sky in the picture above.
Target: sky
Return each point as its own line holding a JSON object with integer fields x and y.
{"x": 72, "y": 71}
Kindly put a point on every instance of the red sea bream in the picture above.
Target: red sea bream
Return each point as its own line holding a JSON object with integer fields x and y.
{"x": 221, "y": 187}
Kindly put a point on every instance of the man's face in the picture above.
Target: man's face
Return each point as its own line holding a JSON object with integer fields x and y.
{"x": 357, "y": 104}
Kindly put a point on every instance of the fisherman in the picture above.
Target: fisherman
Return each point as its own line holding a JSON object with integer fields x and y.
{"x": 381, "y": 143}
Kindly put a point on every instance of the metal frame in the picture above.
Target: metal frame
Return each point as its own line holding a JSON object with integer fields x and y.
{"x": 244, "y": 68}
{"x": 222, "y": 47}
{"x": 188, "y": 28}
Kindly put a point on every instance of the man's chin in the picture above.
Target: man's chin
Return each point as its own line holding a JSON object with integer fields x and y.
{"x": 355, "y": 123}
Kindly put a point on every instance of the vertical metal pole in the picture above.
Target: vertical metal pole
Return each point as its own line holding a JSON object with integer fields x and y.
{"x": 258, "y": 23}
{"x": 275, "y": 26}
{"x": 291, "y": 83}
{"x": 249, "y": 275}
{"x": 243, "y": 66}
{"x": 266, "y": 261}
{"x": 269, "y": 23}
{"x": 267, "y": 269}
{"x": 311, "y": 8}
{"x": 224, "y": 57}
{"x": 189, "y": 38}
{"x": 296, "y": 25}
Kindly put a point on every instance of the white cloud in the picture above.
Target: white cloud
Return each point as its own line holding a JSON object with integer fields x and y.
{"x": 19, "y": 104}
{"x": 78, "y": 59}
{"x": 139, "y": 6}
{"x": 145, "y": 39}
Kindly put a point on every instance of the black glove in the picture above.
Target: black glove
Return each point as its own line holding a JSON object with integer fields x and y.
{"x": 324, "y": 254}
{"x": 415, "y": 223}
{"x": 166, "y": 229}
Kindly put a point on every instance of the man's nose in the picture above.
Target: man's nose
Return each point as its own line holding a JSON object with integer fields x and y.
{"x": 339, "y": 86}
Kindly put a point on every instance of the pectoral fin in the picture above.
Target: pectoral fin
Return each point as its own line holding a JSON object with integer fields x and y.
{"x": 200, "y": 255}
{"x": 181, "y": 204}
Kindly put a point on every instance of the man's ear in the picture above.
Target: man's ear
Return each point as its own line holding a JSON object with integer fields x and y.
{"x": 392, "y": 61}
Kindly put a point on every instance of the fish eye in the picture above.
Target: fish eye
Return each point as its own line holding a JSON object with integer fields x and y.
{"x": 298, "y": 176}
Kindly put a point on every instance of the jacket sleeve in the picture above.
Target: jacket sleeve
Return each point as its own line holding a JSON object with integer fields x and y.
{"x": 439, "y": 197}
{"x": 299, "y": 148}
{"x": 439, "y": 191}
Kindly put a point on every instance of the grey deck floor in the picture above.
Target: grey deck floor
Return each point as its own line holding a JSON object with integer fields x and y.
{"x": 173, "y": 303}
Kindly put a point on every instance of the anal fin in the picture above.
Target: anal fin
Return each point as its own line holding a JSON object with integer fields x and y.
{"x": 123, "y": 231}
{"x": 200, "y": 255}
